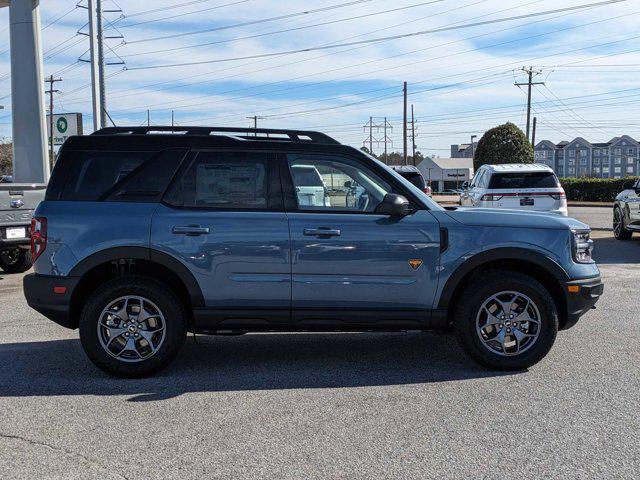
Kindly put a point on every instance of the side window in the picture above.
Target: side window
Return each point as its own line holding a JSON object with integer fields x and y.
{"x": 333, "y": 184}
{"x": 224, "y": 180}
{"x": 147, "y": 182}
{"x": 92, "y": 174}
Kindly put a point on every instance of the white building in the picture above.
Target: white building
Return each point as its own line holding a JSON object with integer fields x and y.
{"x": 446, "y": 173}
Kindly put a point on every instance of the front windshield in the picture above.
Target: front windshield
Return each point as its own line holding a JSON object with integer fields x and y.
{"x": 428, "y": 201}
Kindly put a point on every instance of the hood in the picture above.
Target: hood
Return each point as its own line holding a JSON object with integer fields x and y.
{"x": 498, "y": 217}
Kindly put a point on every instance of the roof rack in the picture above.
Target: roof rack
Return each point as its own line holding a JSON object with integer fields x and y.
{"x": 261, "y": 134}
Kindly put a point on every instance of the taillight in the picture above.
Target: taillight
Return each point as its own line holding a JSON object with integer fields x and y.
{"x": 427, "y": 190}
{"x": 559, "y": 196}
{"x": 38, "y": 236}
{"x": 489, "y": 197}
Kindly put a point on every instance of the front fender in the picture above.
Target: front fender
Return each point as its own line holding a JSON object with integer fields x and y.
{"x": 470, "y": 262}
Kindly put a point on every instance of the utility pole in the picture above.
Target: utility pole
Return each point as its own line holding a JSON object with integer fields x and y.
{"x": 172, "y": 122}
{"x": 51, "y": 81}
{"x": 530, "y": 73}
{"x": 95, "y": 74}
{"x": 413, "y": 136}
{"x": 148, "y": 118}
{"x": 404, "y": 122}
{"x": 101, "y": 85}
{"x": 472, "y": 147}
{"x": 533, "y": 132}
{"x": 386, "y": 157}
{"x": 371, "y": 135}
{"x": 255, "y": 119}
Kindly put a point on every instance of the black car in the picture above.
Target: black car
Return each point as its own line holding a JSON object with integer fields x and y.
{"x": 412, "y": 174}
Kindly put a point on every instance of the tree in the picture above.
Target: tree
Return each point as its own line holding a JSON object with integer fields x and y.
{"x": 503, "y": 144}
{"x": 6, "y": 159}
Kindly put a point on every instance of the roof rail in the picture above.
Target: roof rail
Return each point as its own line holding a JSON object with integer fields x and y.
{"x": 261, "y": 134}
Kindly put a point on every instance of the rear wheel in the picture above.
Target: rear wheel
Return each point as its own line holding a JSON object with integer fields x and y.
{"x": 506, "y": 321}
{"x": 17, "y": 260}
{"x": 132, "y": 326}
{"x": 619, "y": 230}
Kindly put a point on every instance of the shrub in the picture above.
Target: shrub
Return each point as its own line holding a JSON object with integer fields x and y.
{"x": 503, "y": 144}
{"x": 593, "y": 189}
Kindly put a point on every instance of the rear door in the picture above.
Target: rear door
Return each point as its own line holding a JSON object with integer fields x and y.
{"x": 352, "y": 267}
{"x": 525, "y": 190}
{"x": 223, "y": 218}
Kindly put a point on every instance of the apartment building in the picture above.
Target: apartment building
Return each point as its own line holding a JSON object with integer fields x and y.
{"x": 617, "y": 158}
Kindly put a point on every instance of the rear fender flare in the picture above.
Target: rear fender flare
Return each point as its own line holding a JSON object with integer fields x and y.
{"x": 151, "y": 255}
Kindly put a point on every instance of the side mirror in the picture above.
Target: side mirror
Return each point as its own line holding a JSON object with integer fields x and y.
{"x": 465, "y": 186}
{"x": 394, "y": 205}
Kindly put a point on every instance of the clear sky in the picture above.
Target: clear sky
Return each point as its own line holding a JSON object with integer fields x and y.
{"x": 217, "y": 62}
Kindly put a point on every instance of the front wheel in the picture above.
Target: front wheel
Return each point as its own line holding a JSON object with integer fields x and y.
{"x": 619, "y": 230}
{"x": 17, "y": 260}
{"x": 506, "y": 321}
{"x": 132, "y": 326}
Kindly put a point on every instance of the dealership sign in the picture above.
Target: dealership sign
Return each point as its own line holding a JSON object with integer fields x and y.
{"x": 64, "y": 126}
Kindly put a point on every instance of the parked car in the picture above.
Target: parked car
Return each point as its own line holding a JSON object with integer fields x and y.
{"x": 626, "y": 211}
{"x": 517, "y": 186}
{"x": 310, "y": 187}
{"x": 144, "y": 236}
{"x": 414, "y": 175}
{"x": 6, "y": 179}
{"x": 18, "y": 201}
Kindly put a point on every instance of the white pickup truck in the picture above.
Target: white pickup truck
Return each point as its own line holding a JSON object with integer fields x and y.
{"x": 17, "y": 203}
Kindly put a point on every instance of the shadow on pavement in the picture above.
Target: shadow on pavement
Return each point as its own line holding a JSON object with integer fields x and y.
{"x": 608, "y": 250}
{"x": 250, "y": 362}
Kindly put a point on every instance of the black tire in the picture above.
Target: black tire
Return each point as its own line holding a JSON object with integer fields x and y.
{"x": 620, "y": 232}
{"x": 468, "y": 306}
{"x": 168, "y": 304}
{"x": 21, "y": 263}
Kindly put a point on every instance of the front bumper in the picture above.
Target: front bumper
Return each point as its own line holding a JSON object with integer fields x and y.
{"x": 38, "y": 290}
{"x": 585, "y": 295}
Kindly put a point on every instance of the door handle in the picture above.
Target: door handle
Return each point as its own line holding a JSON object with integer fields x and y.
{"x": 191, "y": 230}
{"x": 321, "y": 232}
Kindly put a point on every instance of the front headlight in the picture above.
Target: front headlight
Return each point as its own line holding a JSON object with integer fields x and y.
{"x": 582, "y": 246}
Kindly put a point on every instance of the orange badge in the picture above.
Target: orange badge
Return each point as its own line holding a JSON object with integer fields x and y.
{"x": 415, "y": 263}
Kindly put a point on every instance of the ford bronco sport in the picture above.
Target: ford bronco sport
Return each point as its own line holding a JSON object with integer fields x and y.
{"x": 147, "y": 233}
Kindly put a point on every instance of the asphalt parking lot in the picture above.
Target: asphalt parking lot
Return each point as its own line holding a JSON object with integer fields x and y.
{"x": 291, "y": 406}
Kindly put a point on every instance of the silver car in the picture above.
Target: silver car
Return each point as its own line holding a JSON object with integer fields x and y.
{"x": 626, "y": 211}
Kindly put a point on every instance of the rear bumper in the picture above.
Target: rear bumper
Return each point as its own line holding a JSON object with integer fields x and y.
{"x": 38, "y": 290}
{"x": 580, "y": 302}
{"x": 13, "y": 243}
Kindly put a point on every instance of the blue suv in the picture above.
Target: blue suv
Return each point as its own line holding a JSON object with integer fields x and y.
{"x": 146, "y": 234}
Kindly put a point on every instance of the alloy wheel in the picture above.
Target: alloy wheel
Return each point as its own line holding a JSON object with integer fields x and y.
{"x": 508, "y": 323}
{"x": 131, "y": 328}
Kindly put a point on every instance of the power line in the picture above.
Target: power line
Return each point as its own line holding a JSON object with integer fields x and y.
{"x": 255, "y": 22}
{"x": 129, "y": 25}
{"x": 394, "y": 67}
{"x": 168, "y": 7}
{"x": 380, "y": 39}
{"x": 287, "y": 30}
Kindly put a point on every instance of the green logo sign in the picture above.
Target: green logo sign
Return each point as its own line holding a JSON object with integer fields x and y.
{"x": 62, "y": 125}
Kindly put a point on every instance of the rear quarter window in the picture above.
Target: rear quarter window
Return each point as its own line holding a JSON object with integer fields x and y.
{"x": 501, "y": 181}
{"x": 115, "y": 176}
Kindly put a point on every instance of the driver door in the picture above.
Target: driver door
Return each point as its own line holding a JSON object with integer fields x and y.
{"x": 352, "y": 267}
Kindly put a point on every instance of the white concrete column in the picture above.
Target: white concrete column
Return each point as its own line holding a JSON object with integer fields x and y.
{"x": 30, "y": 162}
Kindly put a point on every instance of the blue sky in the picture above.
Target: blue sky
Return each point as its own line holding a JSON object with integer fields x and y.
{"x": 461, "y": 80}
